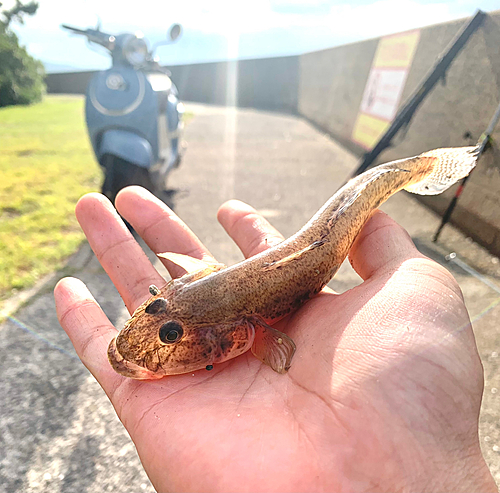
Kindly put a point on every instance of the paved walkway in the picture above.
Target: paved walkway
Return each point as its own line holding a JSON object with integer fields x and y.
{"x": 58, "y": 432}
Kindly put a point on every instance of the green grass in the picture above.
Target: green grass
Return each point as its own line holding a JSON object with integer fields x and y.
{"x": 46, "y": 165}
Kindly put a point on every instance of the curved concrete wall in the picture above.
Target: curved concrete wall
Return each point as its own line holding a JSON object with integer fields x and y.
{"x": 332, "y": 83}
{"x": 266, "y": 83}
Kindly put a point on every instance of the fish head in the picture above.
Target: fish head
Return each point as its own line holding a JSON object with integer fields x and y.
{"x": 157, "y": 341}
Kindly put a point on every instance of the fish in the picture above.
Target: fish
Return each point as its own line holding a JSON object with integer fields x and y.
{"x": 215, "y": 313}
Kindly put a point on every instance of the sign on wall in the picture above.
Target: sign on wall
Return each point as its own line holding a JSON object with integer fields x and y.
{"x": 384, "y": 87}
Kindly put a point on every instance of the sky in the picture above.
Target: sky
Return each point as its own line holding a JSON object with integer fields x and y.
{"x": 227, "y": 29}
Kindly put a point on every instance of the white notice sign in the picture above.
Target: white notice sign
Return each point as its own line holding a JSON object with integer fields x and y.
{"x": 383, "y": 91}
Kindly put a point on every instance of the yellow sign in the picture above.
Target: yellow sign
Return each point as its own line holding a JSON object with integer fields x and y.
{"x": 368, "y": 129}
{"x": 384, "y": 87}
{"x": 396, "y": 50}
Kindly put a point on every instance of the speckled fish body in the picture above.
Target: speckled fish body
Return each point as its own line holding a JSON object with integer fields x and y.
{"x": 217, "y": 313}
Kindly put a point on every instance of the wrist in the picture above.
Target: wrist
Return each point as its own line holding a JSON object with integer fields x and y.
{"x": 464, "y": 471}
{"x": 470, "y": 475}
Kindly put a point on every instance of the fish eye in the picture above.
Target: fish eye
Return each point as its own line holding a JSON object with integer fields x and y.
{"x": 170, "y": 332}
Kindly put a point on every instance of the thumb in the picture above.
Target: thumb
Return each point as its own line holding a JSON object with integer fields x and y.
{"x": 381, "y": 245}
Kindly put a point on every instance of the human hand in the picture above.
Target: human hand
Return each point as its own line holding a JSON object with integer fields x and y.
{"x": 383, "y": 393}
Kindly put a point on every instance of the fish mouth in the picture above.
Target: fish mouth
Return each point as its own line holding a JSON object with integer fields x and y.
{"x": 128, "y": 369}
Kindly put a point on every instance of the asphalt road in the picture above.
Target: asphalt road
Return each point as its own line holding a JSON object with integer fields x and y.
{"x": 58, "y": 432}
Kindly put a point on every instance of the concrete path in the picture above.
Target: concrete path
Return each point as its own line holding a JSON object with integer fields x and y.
{"x": 58, "y": 432}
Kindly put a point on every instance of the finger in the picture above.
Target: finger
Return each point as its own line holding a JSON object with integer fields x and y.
{"x": 88, "y": 328}
{"x": 116, "y": 249}
{"x": 381, "y": 245}
{"x": 250, "y": 231}
{"x": 159, "y": 226}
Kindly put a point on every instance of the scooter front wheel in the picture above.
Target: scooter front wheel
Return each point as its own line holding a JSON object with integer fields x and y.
{"x": 119, "y": 174}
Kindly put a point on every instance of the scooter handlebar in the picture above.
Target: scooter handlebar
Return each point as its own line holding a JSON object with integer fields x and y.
{"x": 74, "y": 29}
{"x": 106, "y": 40}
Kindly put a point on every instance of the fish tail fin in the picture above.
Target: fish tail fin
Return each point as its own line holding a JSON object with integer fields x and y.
{"x": 448, "y": 166}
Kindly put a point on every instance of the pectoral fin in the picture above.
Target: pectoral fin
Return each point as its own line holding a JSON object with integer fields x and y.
{"x": 278, "y": 264}
{"x": 272, "y": 347}
{"x": 189, "y": 264}
{"x": 195, "y": 268}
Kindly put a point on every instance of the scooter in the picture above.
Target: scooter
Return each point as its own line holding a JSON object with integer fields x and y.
{"x": 133, "y": 113}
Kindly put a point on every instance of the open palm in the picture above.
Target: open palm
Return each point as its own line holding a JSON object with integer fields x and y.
{"x": 383, "y": 393}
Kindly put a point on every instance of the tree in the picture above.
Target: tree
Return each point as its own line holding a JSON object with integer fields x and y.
{"x": 18, "y": 11}
{"x": 21, "y": 76}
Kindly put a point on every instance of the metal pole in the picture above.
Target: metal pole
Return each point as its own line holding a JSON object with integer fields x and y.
{"x": 438, "y": 72}
{"x": 483, "y": 140}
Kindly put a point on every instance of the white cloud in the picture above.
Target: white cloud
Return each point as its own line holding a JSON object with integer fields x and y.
{"x": 387, "y": 16}
{"x": 36, "y": 49}
{"x": 293, "y": 30}
{"x": 222, "y": 15}
{"x": 213, "y": 16}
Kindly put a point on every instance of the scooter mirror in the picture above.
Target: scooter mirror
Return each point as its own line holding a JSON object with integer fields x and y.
{"x": 175, "y": 31}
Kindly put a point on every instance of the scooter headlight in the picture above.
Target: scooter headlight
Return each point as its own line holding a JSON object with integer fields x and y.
{"x": 136, "y": 51}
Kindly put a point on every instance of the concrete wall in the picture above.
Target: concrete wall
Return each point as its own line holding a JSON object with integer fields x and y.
{"x": 327, "y": 86}
{"x": 267, "y": 83}
{"x": 464, "y": 105}
{"x": 69, "y": 82}
{"x": 332, "y": 84}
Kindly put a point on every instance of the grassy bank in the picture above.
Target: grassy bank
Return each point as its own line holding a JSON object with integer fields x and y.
{"x": 46, "y": 164}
